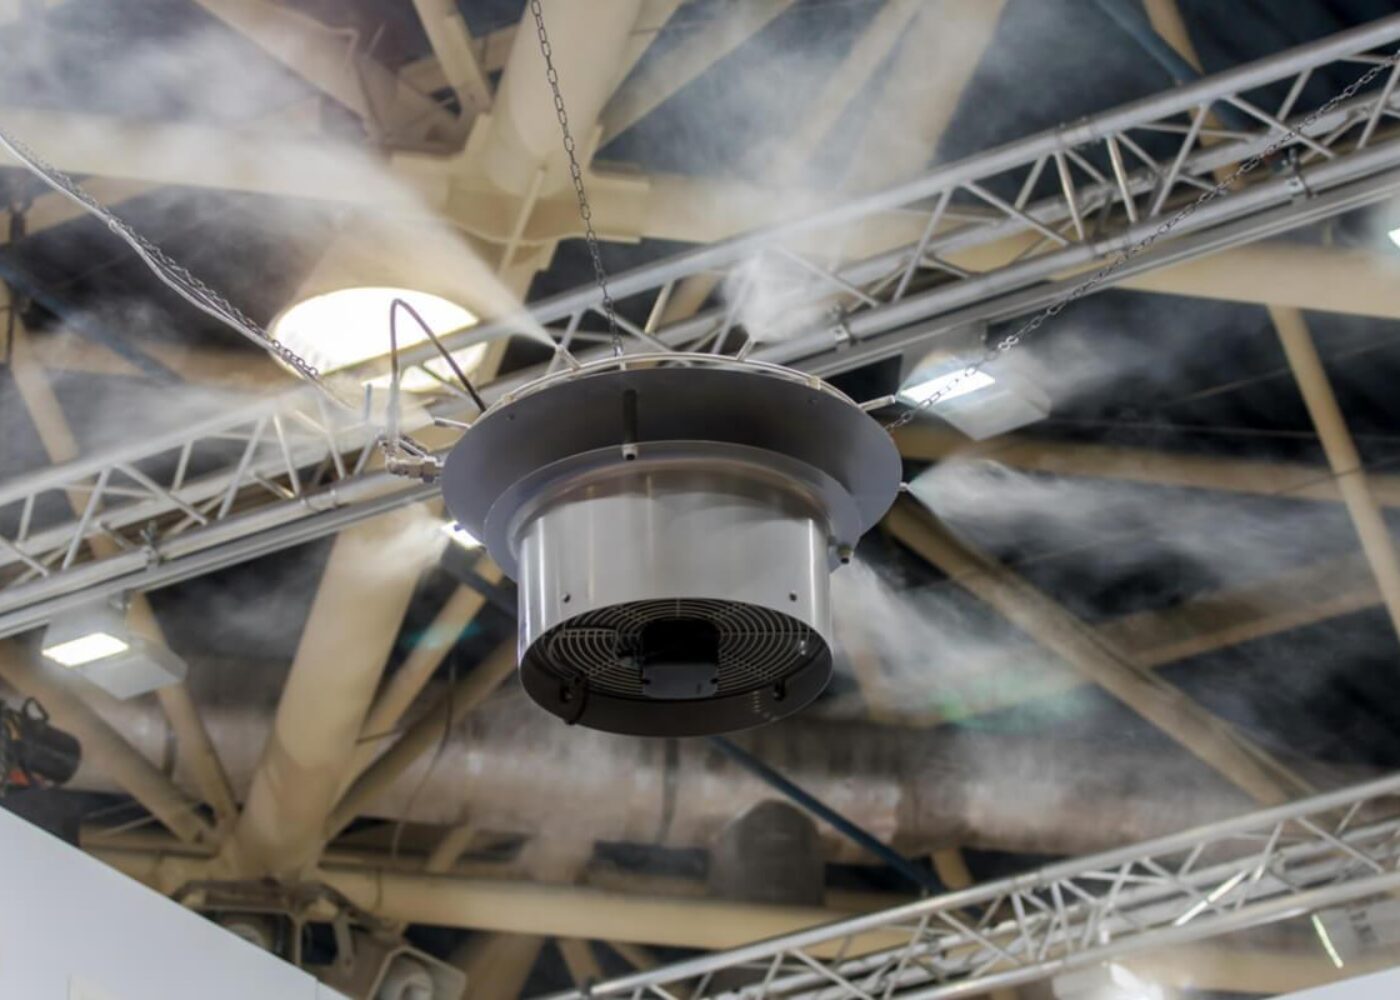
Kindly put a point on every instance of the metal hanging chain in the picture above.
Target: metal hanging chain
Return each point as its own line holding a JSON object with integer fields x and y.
{"x": 171, "y": 273}
{"x": 1079, "y": 291}
{"x": 585, "y": 210}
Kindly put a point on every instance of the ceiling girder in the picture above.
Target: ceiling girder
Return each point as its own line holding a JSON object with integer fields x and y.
{"x": 894, "y": 324}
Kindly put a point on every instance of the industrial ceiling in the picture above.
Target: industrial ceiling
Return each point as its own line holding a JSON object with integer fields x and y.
{"x": 1166, "y": 596}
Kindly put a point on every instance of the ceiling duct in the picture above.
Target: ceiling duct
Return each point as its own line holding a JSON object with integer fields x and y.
{"x": 672, "y": 523}
{"x": 770, "y": 853}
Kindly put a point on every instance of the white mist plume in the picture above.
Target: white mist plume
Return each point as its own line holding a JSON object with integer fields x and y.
{"x": 936, "y": 653}
{"x": 1221, "y": 539}
{"x": 773, "y": 297}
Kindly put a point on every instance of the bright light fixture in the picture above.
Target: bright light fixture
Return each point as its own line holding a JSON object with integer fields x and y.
{"x": 460, "y": 535}
{"x": 350, "y": 325}
{"x": 86, "y": 649}
{"x": 951, "y": 384}
{"x": 1394, "y": 235}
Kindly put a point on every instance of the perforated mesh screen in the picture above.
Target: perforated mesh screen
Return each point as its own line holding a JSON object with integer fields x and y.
{"x": 757, "y": 646}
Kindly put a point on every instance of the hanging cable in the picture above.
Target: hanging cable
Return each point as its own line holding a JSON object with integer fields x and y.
{"x": 168, "y": 271}
{"x": 585, "y": 210}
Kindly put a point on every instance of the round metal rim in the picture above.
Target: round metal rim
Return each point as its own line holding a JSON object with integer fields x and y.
{"x": 791, "y": 417}
{"x": 679, "y": 359}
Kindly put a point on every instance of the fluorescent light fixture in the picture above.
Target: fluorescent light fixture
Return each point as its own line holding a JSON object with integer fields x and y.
{"x": 951, "y": 384}
{"x": 460, "y": 535}
{"x": 86, "y": 649}
{"x": 1394, "y": 235}
{"x": 94, "y": 642}
{"x": 1322, "y": 934}
{"x": 348, "y": 326}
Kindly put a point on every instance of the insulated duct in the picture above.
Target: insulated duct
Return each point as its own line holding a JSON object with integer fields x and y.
{"x": 918, "y": 789}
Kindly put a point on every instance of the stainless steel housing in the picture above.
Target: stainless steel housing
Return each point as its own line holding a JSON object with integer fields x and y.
{"x": 673, "y": 530}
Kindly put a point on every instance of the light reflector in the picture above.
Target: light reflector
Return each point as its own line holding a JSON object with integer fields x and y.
{"x": 951, "y": 384}
{"x": 86, "y": 649}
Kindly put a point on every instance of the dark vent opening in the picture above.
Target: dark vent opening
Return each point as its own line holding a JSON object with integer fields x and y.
{"x": 679, "y": 658}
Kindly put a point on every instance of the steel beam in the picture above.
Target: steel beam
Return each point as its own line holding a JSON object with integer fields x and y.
{"x": 348, "y": 635}
{"x": 332, "y": 60}
{"x": 382, "y": 721}
{"x": 1211, "y": 739}
{"x": 428, "y": 731}
{"x": 663, "y": 77}
{"x": 1347, "y": 468}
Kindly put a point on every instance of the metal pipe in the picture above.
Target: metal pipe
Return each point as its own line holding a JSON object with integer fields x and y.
{"x": 1246, "y": 827}
{"x": 918, "y": 789}
{"x": 924, "y": 879}
{"x": 1174, "y": 101}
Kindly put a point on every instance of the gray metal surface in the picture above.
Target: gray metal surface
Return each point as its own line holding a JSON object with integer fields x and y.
{"x": 249, "y": 502}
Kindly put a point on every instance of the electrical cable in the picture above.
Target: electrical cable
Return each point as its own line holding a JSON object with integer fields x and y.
{"x": 397, "y": 304}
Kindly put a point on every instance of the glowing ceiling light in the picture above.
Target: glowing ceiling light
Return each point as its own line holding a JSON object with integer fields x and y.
{"x": 1394, "y": 235}
{"x": 460, "y": 535}
{"x": 342, "y": 328}
{"x": 86, "y": 649}
{"x": 951, "y": 385}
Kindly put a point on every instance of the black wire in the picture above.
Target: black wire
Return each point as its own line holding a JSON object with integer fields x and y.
{"x": 447, "y": 355}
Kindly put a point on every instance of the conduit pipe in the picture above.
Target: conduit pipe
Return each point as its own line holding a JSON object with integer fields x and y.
{"x": 917, "y": 789}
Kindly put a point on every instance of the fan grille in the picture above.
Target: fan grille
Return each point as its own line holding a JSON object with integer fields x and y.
{"x": 757, "y": 646}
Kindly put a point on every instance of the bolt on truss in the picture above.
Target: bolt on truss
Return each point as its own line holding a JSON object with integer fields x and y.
{"x": 885, "y": 277}
{"x": 1262, "y": 867}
